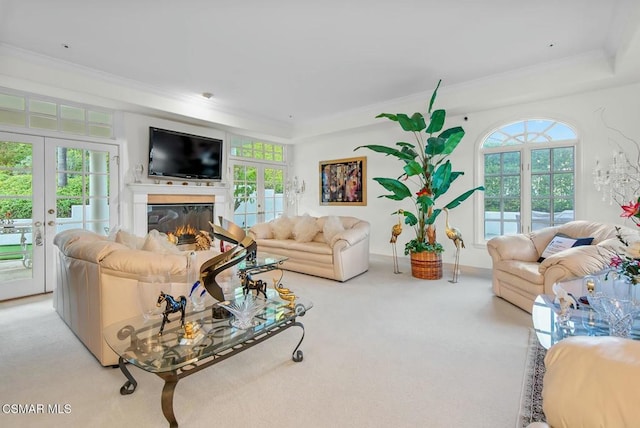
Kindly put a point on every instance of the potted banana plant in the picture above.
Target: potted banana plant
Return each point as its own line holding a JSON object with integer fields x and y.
{"x": 426, "y": 177}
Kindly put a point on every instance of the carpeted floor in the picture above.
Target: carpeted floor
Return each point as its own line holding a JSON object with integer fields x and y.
{"x": 531, "y": 398}
{"x": 380, "y": 350}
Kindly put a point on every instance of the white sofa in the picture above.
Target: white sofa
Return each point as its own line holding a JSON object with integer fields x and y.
{"x": 519, "y": 277}
{"x": 97, "y": 281}
{"x": 333, "y": 247}
{"x": 591, "y": 382}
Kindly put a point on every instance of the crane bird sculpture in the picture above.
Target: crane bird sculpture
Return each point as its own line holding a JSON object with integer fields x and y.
{"x": 396, "y": 230}
{"x": 455, "y": 235}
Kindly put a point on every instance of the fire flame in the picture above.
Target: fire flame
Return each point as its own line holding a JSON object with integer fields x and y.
{"x": 185, "y": 230}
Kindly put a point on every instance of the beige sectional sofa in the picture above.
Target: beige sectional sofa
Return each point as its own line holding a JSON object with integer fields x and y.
{"x": 97, "y": 282}
{"x": 333, "y": 247}
{"x": 519, "y": 276}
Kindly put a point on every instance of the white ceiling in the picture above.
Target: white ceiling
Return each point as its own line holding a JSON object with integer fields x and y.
{"x": 297, "y": 62}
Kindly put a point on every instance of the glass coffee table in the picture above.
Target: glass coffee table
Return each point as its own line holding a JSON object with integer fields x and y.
{"x": 208, "y": 338}
{"x": 583, "y": 321}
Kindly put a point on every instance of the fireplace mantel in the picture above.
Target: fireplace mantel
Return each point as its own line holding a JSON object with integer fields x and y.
{"x": 141, "y": 192}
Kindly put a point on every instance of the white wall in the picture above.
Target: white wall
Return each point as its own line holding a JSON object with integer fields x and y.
{"x": 583, "y": 111}
{"x": 136, "y": 150}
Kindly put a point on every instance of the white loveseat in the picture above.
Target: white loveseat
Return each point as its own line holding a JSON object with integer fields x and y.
{"x": 518, "y": 275}
{"x": 97, "y": 281}
{"x": 333, "y": 247}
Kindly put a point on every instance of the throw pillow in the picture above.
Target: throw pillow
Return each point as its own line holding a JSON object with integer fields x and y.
{"x": 305, "y": 229}
{"x": 158, "y": 243}
{"x": 282, "y": 227}
{"x": 332, "y": 226}
{"x": 562, "y": 242}
{"x": 129, "y": 239}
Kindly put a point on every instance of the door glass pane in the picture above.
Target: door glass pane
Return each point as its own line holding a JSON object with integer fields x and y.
{"x": 16, "y": 211}
{"x": 273, "y": 193}
{"x": 82, "y": 195}
{"x": 69, "y": 112}
{"x": 245, "y": 195}
{"x": 43, "y": 107}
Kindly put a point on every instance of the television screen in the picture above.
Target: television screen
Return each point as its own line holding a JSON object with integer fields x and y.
{"x": 176, "y": 154}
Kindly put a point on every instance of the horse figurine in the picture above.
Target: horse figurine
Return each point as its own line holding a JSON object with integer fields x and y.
{"x": 249, "y": 284}
{"x": 172, "y": 307}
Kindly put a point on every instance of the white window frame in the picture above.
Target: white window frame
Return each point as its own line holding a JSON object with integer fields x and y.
{"x": 525, "y": 150}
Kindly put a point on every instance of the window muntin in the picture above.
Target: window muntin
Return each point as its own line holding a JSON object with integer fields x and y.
{"x": 31, "y": 111}
{"x": 529, "y": 173}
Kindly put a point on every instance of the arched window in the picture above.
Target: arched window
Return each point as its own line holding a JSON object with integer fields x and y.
{"x": 529, "y": 176}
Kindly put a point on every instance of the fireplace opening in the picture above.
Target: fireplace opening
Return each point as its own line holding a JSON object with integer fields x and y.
{"x": 184, "y": 221}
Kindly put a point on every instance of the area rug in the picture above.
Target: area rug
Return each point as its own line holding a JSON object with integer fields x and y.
{"x": 531, "y": 397}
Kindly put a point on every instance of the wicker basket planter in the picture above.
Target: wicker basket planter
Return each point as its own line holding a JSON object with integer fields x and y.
{"x": 426, "y": 265}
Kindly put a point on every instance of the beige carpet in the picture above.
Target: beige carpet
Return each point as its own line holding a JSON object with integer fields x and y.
{"x": 381, "y": 350}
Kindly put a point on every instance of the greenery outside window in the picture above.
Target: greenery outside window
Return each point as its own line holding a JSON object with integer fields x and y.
{"x": 528, "y": 170}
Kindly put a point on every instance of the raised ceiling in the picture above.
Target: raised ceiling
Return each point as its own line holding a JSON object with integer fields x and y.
{"x": 296, "y": 62}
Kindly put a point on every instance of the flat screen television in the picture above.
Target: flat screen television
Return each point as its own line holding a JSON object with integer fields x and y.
{"x": 180, "y": 155}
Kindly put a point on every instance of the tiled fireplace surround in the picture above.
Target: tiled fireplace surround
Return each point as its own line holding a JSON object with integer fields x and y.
{"x": 145, "y": 194}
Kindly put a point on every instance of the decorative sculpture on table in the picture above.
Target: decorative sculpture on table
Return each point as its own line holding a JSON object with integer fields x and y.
{"x": 284, "y": 293}
{"x": 455, "y": 235}
{"x": 249, "y": 284}
{"x": 172, "y": 307}
{"x": 396, "y": 230}
{"x": 244, "y": 248}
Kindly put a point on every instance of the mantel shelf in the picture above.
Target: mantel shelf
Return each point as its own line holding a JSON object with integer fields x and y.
{"x": 152, "y": 188}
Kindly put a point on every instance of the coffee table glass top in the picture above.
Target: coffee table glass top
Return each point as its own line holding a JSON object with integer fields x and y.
{"x": 584, "y": 321}
{"x": 137, "y": 341}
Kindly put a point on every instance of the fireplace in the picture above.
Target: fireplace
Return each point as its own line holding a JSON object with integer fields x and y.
{"x": 195, "y": 205}
{"x": 182, "y": 216}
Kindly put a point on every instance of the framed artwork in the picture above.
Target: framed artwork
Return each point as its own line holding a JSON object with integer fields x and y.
{"x": 343, "y": 181}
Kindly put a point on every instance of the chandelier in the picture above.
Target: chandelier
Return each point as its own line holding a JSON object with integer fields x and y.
{"x": 620, "y": 182}
{"x": 293, "y": 190}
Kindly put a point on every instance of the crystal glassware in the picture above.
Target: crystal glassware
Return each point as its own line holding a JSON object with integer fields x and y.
{"x": 244, "y": 310}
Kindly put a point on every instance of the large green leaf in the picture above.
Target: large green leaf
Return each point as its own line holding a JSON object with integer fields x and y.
{"x": 400, "y": 154}
{"x": 413, "y": 168}
{"x": 388, "y": 116}
{"x": 457, "y": 201}
{"x": 452, "y": 137}
{"x": 437, "y": 121}
{"x": 418, "y": 121}
{"x": 410, "y": 218}
{"x": 424, "y": 202}
{"x": 441, "y": 179}
{"x": 398, "y": 189}
{"x": 433, "y": 216}
{"x": 433, "y": 96}
{"x": 435, "y": 146}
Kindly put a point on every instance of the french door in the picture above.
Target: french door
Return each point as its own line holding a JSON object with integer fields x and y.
{"x": 48, "y": 185}
{"x": 258, "y": 193}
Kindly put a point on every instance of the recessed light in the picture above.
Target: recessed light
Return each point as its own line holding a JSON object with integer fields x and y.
{"x": 551, "y": 45}
{"x": 207, "y": 95}
{"x": 64, "y": 45}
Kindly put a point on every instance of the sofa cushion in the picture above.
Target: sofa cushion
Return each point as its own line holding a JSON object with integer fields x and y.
{"x": 158, "y": 243}
{"x": 592, "y": 382}
{"x": 528, "y": 271}
{"x": 305, "y": 228}
{"x": 282, "y": 227}
{"x": 332, "y": 226}
{"x": 93, "y": 251}
{"x": 262, "y": 231}
{"x": 129, "y": 239}
{"x": 65, "y": 238}
{"x": 290, "y": 244}
{"x": 562, "y": 242}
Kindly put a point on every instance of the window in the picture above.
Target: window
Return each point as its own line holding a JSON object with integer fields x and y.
{"x": 529, "y": 177}
{"x": 32, "y": 111}
{"x": 258, "y": 180}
